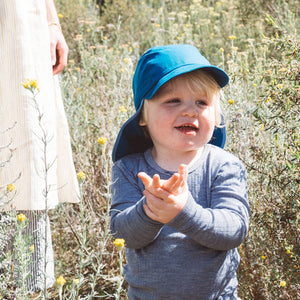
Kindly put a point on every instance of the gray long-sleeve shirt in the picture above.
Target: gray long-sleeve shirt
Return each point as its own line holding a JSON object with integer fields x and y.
{"x": 194, "y": 256}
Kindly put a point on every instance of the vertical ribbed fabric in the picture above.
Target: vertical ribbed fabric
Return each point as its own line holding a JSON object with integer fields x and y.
{"x": 39, "y": 233}
{"x": 36, "y": 266}
{"x": 25, "y": 53}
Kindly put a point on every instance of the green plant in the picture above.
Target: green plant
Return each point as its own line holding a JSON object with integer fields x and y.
{"x": 257, "y": 43}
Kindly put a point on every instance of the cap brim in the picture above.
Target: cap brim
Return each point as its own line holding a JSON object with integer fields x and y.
{"x": 219, "y": 135}
{"x": 130, "y": 139}
{"x": 219, "y": 75}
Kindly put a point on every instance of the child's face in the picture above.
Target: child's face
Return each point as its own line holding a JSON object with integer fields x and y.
{"x": 179, "y": 119}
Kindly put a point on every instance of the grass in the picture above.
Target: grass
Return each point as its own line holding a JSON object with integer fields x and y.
{"x": 257, "y": 43}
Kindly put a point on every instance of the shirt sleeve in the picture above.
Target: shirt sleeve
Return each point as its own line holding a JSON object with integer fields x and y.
{"x": 224, "y": 224}
{"x": 128, "y": 218}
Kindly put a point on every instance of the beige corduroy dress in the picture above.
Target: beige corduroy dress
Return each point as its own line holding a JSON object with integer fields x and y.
{"x": 25, "y": 54}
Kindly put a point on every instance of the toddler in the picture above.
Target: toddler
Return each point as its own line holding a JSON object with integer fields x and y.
{"x": 178, "y": 199}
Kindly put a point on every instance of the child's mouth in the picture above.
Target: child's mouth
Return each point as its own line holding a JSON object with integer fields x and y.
{"x": 188, "y": 128}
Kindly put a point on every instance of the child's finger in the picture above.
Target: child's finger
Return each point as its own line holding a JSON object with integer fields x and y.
{"x": 146, "y": 179}
{"x": 157, "y": 201}
{"x": 156, "y": 181}
{"x": 183, "y": 171}
{"x": 171, "y": 183}
{"x": 154, "y": 203}
{"x": 149, "y": 213}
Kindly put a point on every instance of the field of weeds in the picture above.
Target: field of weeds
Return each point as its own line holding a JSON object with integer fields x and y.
{"x": 257, "y": 43}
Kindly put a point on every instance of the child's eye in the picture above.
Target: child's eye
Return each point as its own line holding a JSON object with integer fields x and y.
{"x": 201, "y": 102}
{"x": 173, "y": 101}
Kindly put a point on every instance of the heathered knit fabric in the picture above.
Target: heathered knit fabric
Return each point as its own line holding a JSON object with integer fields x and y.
{"x": 194, "y": 256}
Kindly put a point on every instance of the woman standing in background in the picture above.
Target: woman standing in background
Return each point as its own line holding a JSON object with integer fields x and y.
{"x": 32, "y": 46}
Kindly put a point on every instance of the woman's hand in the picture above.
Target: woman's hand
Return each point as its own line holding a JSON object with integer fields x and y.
{"x": 58, "y": 49}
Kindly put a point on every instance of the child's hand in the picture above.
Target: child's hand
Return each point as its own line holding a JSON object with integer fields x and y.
{"x": 165, "y": 198}
{"x": 178, "y": 182}
{"x": 151, "y": 184}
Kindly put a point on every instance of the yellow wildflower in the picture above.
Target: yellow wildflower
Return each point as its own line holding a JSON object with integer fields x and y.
{"x": 76, "y": 281}
{"x": 254, "y": 84}
{"x": 31, "y": 248}
{"x": 122, "y": 70}
{"x": 31, "y": 84}
{"x": 125, "y": 60}
{"x": 81, "y": 176}
{"x": 263, "y": 257}
{"x": 288, "y": 251}
{"x": 34, "y": 83}
{"x": 60, "y": 16}
{"x": 25, "y": 85}
{"x": 10, "y": 187}
{"x": 102, "y": 140}
{"x": 230, "y": 101}
{"x": 123, "y": 109}
{"x": 221, "y": 50}
{"x": 61, "y": 280}
{"x": 262, "y": 127}
{"x": 21, "y": 218}
{"x": 282, "y": 283}
{"x": 232, "y": 37}
{"x": 88, "y": 30}
{"x": 280, "y": 86}
{"x": 119, "y": 243}
{"x": 268, "y": 100}
{"x": 105, "y": 37}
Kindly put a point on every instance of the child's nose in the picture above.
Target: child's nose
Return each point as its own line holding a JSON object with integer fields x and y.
{"x": 190, "y": 110}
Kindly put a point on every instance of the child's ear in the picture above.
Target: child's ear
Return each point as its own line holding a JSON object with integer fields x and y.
{"x": 142, "y": 122}
{"x": 142, "y": 119}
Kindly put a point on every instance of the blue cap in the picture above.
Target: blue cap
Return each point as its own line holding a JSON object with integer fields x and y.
{"x": 157, "y": 66}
